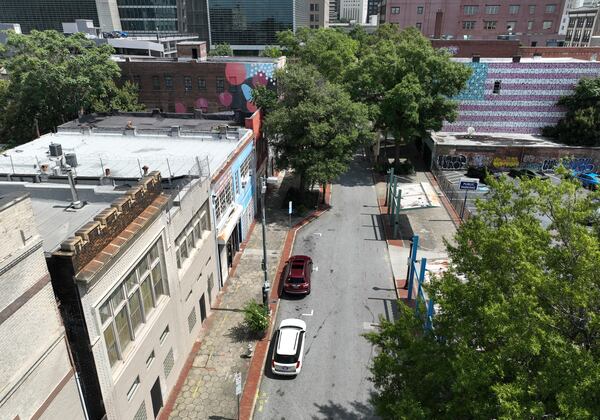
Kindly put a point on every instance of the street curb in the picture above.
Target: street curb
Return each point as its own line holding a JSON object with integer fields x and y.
{"x": 257, "y": 364}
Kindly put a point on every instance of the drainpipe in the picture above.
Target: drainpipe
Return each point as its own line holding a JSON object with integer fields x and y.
{"x": 76, "y": 203}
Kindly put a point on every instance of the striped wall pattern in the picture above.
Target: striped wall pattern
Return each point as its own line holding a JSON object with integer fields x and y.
{"x": 527, "y": 98}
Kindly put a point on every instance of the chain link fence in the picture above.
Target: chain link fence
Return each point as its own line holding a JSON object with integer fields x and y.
{"x": 452, "y": 193}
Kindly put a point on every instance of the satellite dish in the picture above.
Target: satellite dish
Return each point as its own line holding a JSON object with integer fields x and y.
{"x": 470, "y": 131}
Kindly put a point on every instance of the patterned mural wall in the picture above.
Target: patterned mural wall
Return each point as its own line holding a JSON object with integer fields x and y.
{"x": 526, "y": 101}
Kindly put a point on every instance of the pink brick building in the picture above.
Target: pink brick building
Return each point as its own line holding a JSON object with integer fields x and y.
{"x": 533, "y": 22}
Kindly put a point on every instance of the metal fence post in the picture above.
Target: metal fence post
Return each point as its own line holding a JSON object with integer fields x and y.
{"x": 411, "y": 265}
{"x": 420, "y": 279}
{"x": 397, "y": 214}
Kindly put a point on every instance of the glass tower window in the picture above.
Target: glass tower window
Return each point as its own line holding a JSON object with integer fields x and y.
{"x": 249, "y": 22}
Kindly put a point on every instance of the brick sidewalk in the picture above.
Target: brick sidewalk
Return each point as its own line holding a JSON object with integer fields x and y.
{"x": 206, "y": 389}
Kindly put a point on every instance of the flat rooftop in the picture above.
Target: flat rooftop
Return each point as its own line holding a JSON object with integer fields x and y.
{"x": 51, "y": 203}
{"x": 144, "y": 121}
{"x": 172, "y": 146}
{"x": 493, "y": 139}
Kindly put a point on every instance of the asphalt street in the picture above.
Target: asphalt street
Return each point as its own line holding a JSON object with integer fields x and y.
{"x": 351, "y": 287}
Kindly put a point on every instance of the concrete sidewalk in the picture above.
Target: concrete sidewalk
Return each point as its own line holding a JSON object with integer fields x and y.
{"x": 206, "y": 388}
{"x": 432, "y": 225}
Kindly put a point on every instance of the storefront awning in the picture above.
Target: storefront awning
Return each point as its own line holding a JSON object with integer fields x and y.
{"x": 225, "y": 231}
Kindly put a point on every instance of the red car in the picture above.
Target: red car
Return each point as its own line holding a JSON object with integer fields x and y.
{"x": 297, "y": 275}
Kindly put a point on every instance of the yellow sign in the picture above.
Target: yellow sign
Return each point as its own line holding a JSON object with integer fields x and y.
{"x": 505, "y": 162}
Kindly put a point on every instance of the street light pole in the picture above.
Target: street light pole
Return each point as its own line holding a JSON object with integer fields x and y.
{"x": 266, "y": 287}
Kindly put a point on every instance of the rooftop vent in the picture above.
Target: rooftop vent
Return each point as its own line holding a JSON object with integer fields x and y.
{"x": 55, "y": 150}
{"x": 476, "y": 59}
{"x": 516, "y": 59}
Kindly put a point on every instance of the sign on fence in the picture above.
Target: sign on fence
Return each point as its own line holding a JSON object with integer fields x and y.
{"x": 468, "y": 184}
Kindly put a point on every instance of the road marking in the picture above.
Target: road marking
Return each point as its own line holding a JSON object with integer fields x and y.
{"x": 316, "y": 268}
{"x": 310, "y": 314}
{"x": 370, "y": 325}
{"x": 262, "y": 400}
{"x": 318, "y": 234}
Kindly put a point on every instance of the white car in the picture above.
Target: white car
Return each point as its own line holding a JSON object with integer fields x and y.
{"x": 288, "y": 354}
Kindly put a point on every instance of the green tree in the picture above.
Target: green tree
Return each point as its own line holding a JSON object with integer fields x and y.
{"x": 517, "y": 334}
{"x": 581, "y": 124}
{"x": 402, "y": 69}
{"x": 221, "y": 50}
{"x": 329, "y": 50}
{"x": 272, "y": 51}
{"x": 315, "y": 127}
{"x": 51, "y": 78}
{"x": 265, "y": 98}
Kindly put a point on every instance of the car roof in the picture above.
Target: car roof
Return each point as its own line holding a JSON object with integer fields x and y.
{"x": 299, "y": 258}
{"x": 289, "y": 339}
{"x": 293, "y": 322}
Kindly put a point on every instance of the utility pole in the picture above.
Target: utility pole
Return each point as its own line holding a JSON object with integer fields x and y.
{"x": 266, "y": 287}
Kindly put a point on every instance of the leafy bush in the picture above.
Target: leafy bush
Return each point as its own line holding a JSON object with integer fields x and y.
{"x": 256, "y": 317}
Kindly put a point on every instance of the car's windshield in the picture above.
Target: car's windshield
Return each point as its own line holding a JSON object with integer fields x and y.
{"x": 295, "y": 280}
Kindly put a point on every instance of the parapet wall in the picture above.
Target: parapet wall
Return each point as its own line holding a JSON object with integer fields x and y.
{"x": 94, "y": 236}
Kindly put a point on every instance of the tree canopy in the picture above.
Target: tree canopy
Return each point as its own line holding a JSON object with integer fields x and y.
{"x": 51, "y": 78}
{"x": 404, "y": 81}
{"x": 272, "y": 51}
{"x": 581, "y": 124}
{"x": 314, "y": 127}
{"x": 221, "y": 50}
{"x": 517, "y": 334}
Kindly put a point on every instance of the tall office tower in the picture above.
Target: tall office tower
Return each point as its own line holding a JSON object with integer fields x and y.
{"x": 312, "y": 14}
{"x": 250, "y": 24}
{"x": 334, "y": 10}
{"x": 47, "y": 14}
{"x": 150, "y": 16}
{"x": 194, "y": 18}
{"x": 353, "y": 10}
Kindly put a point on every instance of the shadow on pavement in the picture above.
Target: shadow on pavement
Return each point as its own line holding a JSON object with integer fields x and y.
{"x": 358, "y": 411}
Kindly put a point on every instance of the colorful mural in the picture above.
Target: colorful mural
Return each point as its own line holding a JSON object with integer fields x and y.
{"x": 242, "y": 78}
{"x": 526, "y": 96}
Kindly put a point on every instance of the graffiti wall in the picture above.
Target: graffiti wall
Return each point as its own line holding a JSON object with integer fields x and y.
{"x": 506, "y": 97}
{"x": 542, "y": 159}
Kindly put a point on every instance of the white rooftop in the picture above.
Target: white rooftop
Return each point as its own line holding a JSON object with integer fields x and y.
{"x": 524, "y": 60}
{"x": 125, "y": 155}
{"x": 493, "y": 139}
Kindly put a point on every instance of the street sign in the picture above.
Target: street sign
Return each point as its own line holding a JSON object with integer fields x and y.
{"x": 238, "y": 383}
{"x": 290, "y": 207}
{"x": 469, "y": 184}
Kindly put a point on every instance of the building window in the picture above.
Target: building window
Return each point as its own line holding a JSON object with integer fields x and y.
{"x": 201, "y": 84}
{"x": 471, "y": 10}
{"x": 133, "y": 388}
{"x": 316, "y": 18}
{"x": 191, "y": 235}
{"x": 150, "y": 359}
{"x": 513, "y": 9}
{"x": 136, "y": 79}
{"x": 164, "y": 335}
{"x": 511, "y": 25}
{"x": 492, "y": 10}
{"x": 155, "y": 82}
{"x": 129, "y": 306}
{"x": 547, "y": 24}
{"x": 496, "y": 89}
{"x": 395, "y": 10}
{"x": 489, "y": 24}
{"x": 589, "y": 22}
{"x": 419, "y": 10}
{"x": 532, "y": 9}
{"x": 168, "y": 82}
{"x": 220, "y": 84}
{"x": 223, "y": 200}
{"x": 468, "y": 24}
{"x": 530, "y": 25}
{"x": 187, "y": 83}
{"x": 312, "y": 7}
{"x": 418, "y": 25}
{"x": 551, "y": 8}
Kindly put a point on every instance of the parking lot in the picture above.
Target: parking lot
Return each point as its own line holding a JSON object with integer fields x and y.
{"x": 453, "y": 178}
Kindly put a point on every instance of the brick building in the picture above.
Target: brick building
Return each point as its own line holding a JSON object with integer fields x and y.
{"x": 517, "y": 95}
{"x": 36, "y": 371}
{"x": 194, "y": 81}
{"x": 532, "y": 22}
{"x": 137, "y": 258}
